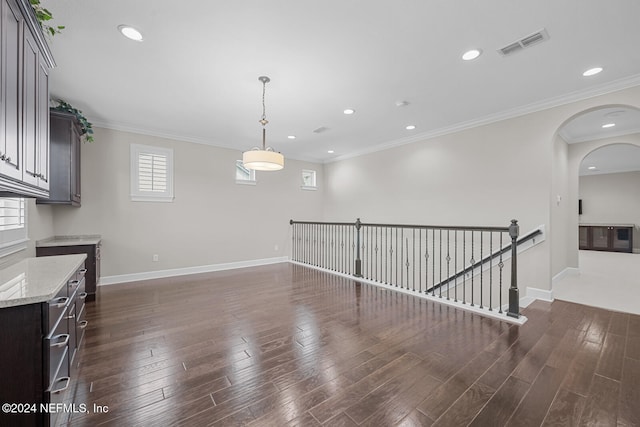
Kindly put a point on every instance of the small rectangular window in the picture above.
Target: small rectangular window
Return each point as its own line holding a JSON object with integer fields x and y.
{"x": 151, "y": 174}
{"x": 309, "y": 180}
{"x": 13, "y": 225}
{"x": 244, "y": 175}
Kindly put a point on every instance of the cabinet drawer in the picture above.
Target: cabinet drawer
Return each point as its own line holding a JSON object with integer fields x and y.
{"x": 56, "y": 308}
{"x": 56, "y": 346}
{"x": 57, "y": 391}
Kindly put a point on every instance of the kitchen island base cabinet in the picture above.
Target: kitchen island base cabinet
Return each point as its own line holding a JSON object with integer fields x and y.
{"x": 21, "y": 335}
{"x": 39, "y": 345}
{"x": 92, "y": 263}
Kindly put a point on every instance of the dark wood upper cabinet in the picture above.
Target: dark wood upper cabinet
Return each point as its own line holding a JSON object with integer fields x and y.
{"x": 24, "y": 102}
{"x": 65, "y": 143}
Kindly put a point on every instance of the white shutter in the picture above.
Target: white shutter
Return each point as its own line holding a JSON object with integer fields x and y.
{"x": 11, "y": 214}
{"x": 151, "y": 173}
{"x": 13, "y": 226}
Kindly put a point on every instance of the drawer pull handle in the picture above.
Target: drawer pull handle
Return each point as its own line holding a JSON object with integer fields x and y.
{"x": 82, "y": 295}
{"x": 63, "y": 343}
{"x": 82, "y": 271}
{"x": 83, "y": 324}
{"x": 71, "y": 316}
{"x": 73, "y": 282}
{"x": 60, "y": 302}
{"x": 66, "y": 380}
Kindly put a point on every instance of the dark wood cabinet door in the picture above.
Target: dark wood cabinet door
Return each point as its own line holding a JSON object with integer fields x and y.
{"x": 600, "y": 238}
{"x": 606, "y": 238}
{"x": 10, "y": 108}
{"x": 64, "y": 184}
{"x": 30, "y": 110}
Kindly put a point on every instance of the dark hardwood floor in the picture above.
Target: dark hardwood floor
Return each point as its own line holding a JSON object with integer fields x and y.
{"x": 283, "y": 345}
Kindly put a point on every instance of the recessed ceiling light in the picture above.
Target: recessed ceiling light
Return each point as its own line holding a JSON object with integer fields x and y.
{"x": 591, "y": 168}
{"x": 291, "y": 137}
{"x": 130, "y": 32}
{"x": 330, "y": 151}
{"x": 592, "y": 71}
{"x": 608, "y": 125}
{"x": 471, "y": 54}
{"x": 410, "y": 127}
{"x": 349, "y": 111}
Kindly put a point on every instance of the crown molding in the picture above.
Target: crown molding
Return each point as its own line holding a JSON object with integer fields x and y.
{"x": 546, "y": 104}
{"x": 575, "y": 96}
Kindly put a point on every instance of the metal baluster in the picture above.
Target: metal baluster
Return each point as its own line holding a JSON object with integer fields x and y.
{"x": 433, "y": 262}
{"x": 440, "y": 283}
{"x": 491, "y": 271}
{"x": 376, "y": 232}
{"x": 414, "y": 260}
{"x": 386, "y": 256}
{"x": 481, "y": 263}
{"x": 407, "y": 263}
{"x": 455, "y": 265}
{"x": 358, "y": 260}
{"x": 501, "y": 266}
{"x": 472, "y": 262}
{"x": 448, "y": 265}
{"x": 420, "y": 260}
{"x": 426, "y": 261}
{"x": 396, "y": 266}
{"x": 464, "y": 274}
{"x": 401, "y": 258}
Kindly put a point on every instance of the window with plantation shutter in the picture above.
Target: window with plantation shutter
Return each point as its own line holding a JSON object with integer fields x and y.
{"x": 13, "y": 229}
{"x": 151, "y": 174}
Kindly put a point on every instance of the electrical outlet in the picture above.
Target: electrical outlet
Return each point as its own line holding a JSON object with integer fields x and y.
{"x": 155, "y": 257}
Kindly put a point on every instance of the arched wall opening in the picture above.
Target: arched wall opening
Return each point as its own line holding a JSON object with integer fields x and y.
{"x": 569, "y": 151}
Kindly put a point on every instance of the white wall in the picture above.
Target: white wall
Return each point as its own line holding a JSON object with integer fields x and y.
{"x": 482, "y": 176}
{"x": 39, "y": 226}
{"x": 212, "y": 220}
{"x": 561, "y": 209}
{"x": 576, "y": 153}
{"x": 611, "y": 199}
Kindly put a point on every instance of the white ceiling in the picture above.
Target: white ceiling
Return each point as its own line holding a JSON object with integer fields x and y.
{"x": 195, "y": 75}
{"x": 615, "y": 158}
{"x": 588, "y": 126}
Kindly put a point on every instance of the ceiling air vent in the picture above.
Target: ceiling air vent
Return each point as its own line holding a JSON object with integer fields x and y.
{"x": 320, "y": 129}
{"x": 524, "y": 42}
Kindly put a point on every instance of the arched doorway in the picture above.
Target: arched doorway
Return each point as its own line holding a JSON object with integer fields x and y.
{"x": 594, "y": 163}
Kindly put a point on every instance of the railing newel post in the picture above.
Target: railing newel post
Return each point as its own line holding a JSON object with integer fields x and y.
{"x": 358, "y": 265}
{"x": 514, "y": 298}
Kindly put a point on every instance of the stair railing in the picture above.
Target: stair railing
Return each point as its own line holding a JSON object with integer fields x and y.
{"x": 461, "y": 264}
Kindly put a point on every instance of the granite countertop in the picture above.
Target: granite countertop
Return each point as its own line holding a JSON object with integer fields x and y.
{"x": 35, "y": 280}
{"x": 69, "y": 241}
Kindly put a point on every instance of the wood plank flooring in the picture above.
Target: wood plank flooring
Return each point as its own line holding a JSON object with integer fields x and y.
{"x": 284, "y": 345}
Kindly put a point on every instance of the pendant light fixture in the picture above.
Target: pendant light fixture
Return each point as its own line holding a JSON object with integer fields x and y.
{"x": 263, "y": 159}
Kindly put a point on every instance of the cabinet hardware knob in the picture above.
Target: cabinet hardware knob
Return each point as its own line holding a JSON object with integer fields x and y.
{"x": 8, "y": 160}
{"x": 2, "y": 157}
{"x": 83, "y": 324}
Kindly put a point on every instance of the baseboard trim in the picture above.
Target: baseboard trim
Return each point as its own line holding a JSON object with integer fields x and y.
{"x": 569, "y": 271}
{"x": 160, "y": 274}
{"x": 466, "y": 307}
{"x": 541, "y": 294}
